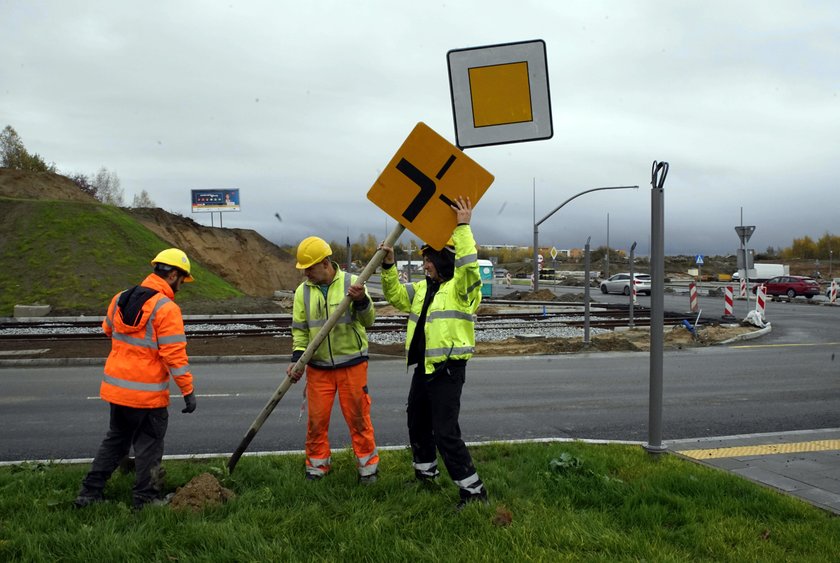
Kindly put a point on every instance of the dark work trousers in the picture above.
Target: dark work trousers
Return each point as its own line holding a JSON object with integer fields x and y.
{"x": 144, "y": 429}
{"x": 434, "y": 404}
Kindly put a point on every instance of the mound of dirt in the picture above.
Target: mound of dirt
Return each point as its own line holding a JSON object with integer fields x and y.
{"x": 541, "y": 295}
{"x": 242, "y": 257}
{"x": 40, "y": 185}
{"x": 201, "y": 492}
{"x": 634, "y": 340}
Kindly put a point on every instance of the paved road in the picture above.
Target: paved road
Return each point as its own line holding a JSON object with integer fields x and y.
{"x": 50, "y": 412}
{"x": 768, "y": 410}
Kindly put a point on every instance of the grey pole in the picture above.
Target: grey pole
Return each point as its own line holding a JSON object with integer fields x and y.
{"x": 556, "y": 209}
{"x": 586, "y": 293}
{"x": 632, "y": 282}
{"x": 657, "y": 305}
{"x": 536, "y": 237}
{"x": 349, "y": 251}
{"x": 607, "y": 266}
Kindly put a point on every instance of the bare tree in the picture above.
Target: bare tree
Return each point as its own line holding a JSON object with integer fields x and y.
{"x": 142, "y": 200}
{"x": 83, "y": 183}
{"x": 108, "y": 189}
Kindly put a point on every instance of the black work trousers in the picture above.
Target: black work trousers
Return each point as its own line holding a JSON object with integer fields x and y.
{"x": 434, "y": 404}
{"x": 144, "y": 429}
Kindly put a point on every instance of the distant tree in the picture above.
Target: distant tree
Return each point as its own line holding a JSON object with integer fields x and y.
{"x": 84, "y": 184}
{"x": 339, "y": 252}
{"x": 771, "y": 252}
{"x": 827, "y": 245}
{"x": 13, "y": 154}
{"x": 802, "y": 248}
{"x": 108, "y": 189}
{"x": 142, "y": 200}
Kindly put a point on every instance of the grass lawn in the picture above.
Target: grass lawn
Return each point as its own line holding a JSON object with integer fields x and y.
{"x": 549, "y": 502}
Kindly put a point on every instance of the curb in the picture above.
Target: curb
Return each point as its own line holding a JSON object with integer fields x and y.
{"x": 748, "y": 336}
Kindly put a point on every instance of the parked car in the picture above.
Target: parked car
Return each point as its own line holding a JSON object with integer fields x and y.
{"x": 791, "y": 286}
{"x": 620, "y": 283}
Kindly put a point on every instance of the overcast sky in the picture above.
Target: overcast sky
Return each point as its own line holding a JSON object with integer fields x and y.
{"x": 301, "y": 105}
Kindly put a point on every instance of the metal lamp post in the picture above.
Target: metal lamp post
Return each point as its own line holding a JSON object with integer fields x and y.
{"x": 556, "y": 209}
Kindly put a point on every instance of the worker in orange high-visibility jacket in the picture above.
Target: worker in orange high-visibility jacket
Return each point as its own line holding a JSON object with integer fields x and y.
{"x": 148, "y": 346}
{"x": 339, "y": 364}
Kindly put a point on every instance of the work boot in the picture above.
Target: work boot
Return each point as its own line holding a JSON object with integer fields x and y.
{"x": 159, "y": 500}
{"x": 369, "y": 479}
{"x": 127, "y": 465}
{"x": 427, "y": 480}
{"x": 427, "y": 476}
{"x": 84, "y": 500}
{"x": 467, "y": 498}
{"x": 313, "y": 477}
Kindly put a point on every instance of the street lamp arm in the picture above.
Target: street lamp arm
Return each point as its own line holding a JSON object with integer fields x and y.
{"x": 538, "y": 223}
{"x": 556, "y": 209}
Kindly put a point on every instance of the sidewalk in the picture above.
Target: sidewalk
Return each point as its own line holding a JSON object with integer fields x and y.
{"x": 804, "y": 464}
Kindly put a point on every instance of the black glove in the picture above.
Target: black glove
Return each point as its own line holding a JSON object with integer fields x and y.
{"x": 191, "y": 404}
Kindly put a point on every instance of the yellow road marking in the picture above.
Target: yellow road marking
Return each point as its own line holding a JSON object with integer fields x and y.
{"x": 766, "y": 449}
{"x": 785, "y": 345}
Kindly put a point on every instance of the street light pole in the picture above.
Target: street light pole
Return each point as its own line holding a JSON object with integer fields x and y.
{"x": 607, "y": 267}
{"x": 556, "y": 209}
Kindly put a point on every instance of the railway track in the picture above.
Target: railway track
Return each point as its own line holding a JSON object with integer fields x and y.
{"x": 545, "y": 316}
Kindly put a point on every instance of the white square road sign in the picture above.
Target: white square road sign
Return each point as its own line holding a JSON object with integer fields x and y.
{"x": 500, "y": 94}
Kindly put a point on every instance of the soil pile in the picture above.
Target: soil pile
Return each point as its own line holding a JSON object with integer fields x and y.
{"x": 40, "y": 185}
{"x": 201, "y": 492}
{"x": 242, "y": 257}
{"x": 634, "y": 340}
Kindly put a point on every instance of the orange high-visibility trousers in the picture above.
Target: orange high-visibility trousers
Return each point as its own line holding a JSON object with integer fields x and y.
{"x": 351, "y": 385}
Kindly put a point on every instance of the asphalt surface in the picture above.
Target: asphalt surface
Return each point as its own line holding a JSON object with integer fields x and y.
{"x": 804, "y": 464}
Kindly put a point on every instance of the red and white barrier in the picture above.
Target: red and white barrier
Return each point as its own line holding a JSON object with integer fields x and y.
{"x": 693, "y": 303}
{"x": 727, "y": 302}
{"x": 760, "y": 299}
{"x": 832, "y": 296}
{"x": 743, "y": 285}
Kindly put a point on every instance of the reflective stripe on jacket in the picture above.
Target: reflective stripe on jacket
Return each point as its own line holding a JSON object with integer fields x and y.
{"x": 450, "y": 320}
{"x": 146, "y": 350}
{"x": 347, "y": 342}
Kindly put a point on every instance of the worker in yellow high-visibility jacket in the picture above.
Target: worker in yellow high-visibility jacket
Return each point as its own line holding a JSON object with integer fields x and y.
{"x": 339, "y": 364}
{"x": 440, "y": 338}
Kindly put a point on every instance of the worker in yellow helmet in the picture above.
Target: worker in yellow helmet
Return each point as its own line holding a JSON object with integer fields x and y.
{"x": 148, "y": 347}
{"x": 339, "y": 364}
{"x": 440, "y": 338}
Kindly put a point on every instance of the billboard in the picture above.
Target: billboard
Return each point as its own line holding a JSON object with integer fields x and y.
{"x": 204, "y": 201}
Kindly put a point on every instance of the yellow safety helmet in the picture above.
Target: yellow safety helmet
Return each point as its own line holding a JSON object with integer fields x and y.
{"x": 175, "y": 258}
{"x": 450, "y": 246}
{"x": 310, "y": 251}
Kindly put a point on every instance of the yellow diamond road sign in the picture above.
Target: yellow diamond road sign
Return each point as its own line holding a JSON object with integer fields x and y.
{"x": 421, "y": 181}
{"x": 500, "y": 94}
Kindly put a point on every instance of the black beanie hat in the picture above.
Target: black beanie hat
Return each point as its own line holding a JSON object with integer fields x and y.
{"x": 443, "y": 260}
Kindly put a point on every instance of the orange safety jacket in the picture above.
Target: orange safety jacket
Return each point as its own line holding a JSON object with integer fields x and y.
{"x": 148, "y": 345}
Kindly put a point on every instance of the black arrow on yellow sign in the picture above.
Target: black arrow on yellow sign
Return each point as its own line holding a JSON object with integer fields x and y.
{"x": 427, "y": 187}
